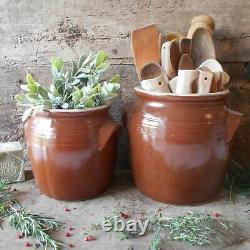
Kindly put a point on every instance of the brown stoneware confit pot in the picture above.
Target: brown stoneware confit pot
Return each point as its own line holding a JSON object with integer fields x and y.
{"x": 179, "y": 144}
{"x": 72, "y": 152}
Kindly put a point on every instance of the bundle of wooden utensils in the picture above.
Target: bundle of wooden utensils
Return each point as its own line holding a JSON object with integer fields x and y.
{"x": 178, "y": 64}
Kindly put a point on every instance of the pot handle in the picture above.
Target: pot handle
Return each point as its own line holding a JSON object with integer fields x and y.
{"x": 107, "y": 130}
{"x": 233, "y": 122}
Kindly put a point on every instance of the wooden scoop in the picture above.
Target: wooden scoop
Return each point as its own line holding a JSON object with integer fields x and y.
{"x": 201, "y": 21}
{"x": 145, "y": 45}
{"x": 202, "y": 47}
{"x": 170, "y": 56}
{"x": 154, "y": 78}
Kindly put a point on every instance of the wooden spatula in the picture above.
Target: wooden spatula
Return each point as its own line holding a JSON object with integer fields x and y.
{"x": 145, "y": 45}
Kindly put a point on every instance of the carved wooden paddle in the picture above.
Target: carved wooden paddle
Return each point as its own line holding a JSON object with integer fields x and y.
{"x": 145, "y": 45}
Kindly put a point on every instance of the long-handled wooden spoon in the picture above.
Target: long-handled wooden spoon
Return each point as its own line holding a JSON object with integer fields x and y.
{"x": 202, "y": 47}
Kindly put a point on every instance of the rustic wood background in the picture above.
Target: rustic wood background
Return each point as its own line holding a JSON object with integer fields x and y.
{"x": 32, "y": 31}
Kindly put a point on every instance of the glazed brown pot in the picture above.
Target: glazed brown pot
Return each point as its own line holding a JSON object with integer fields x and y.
{"x": 72, "y": 152}
{"x": 179, "y": 144}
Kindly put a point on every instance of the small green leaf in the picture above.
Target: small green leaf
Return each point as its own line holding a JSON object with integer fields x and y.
{"x": 81, "y": 60}
{"x": 87, "y": 60}
{"x": 47, "y": 105}
{"x": 102, "y": 67}
{"x": 90, "y": 103}
{"x": 115, "y": 79}
{"x": 30, "y": 79}
{"x": 101, "y": 56}
{"x": 21, "y": 98}
{"x": 74, "y": 68}
{"x": 43, "y": 92}
{"x": 57, "y": 63}
{"x": 32, "y": 88}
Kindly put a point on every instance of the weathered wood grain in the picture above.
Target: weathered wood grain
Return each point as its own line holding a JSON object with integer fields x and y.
{"x": 32, "y": 31}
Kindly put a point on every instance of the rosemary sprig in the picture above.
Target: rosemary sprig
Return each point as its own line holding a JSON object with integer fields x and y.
{"x": 5, "y": 199}
{"x": 28, "y": 224}
{"x": 196, "y": 228}
{"x": 32, "y": 225}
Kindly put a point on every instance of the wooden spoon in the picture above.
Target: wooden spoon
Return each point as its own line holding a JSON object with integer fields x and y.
{"x": 170, "y": 56}
{"x": 202, "y": 47}
{"x": 185, "y": 45}
{"x": 145, "y": 45}
{"x": 174, "y": 36}
{"x": 186, "y": 62}
{"x": 202, "y": 21}
{"x": 154, "y": 78}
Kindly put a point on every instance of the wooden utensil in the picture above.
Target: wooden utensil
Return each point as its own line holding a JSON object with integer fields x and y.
{"x": 186, "y": 81}
{"x": 172, "y": 84}
{"x": 186, "y": 62}
{"x": 202, "y": 21}
{"x": 170, "y": 56}
{"x": 220, "y": 77}
{"x": 162, "y": 39}
{"x": 202, "y": 47}
{"x": 154, "y": 78}
{"x": 185, "y": 45}
{"x": 145, "y": 45}
{"x": 174, "y": 36}
{"x": 204, "y": 81}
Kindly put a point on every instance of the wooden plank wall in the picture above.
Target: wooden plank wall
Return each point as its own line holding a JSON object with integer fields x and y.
{"x": 32, "y": 31}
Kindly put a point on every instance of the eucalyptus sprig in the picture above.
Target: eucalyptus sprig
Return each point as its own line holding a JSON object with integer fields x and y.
{"x": 78, "y": 88}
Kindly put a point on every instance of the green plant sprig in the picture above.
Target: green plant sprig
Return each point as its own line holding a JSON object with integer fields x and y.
{"x": 78, "y": 88}
{"x": 36, "y": 226}
{"x": 28, "y": 224}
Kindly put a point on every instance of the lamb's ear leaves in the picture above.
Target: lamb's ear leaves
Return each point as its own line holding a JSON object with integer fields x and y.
{"x": 115, "y": 79}
{"x": 101, "y": 57}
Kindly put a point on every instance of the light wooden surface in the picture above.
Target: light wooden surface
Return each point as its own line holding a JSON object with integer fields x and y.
{"x": 32, "y": 31}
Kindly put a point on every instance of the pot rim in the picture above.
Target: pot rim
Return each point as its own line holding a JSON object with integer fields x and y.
{"x": 70, "y": 111}
{"x": 158, "y": 95}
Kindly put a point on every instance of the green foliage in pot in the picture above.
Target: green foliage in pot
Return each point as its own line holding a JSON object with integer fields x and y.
{"x": 78, "y": 88}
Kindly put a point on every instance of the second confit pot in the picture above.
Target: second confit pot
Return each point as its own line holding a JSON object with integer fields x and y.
{"x": 72, "y": 153}
{"x": 179, "y": 145}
